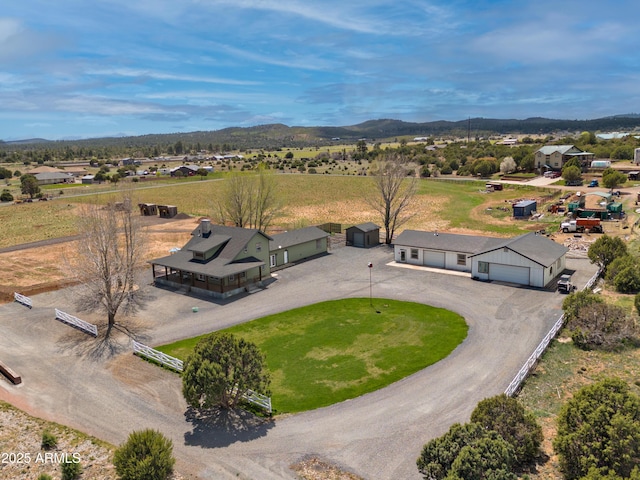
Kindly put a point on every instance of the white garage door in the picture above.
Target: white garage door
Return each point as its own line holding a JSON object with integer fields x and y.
{"x": 509, "y": 273}
{"x": 433, "y": 259}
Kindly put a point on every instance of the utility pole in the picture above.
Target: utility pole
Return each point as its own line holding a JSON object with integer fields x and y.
{"x": 370, "y": 286}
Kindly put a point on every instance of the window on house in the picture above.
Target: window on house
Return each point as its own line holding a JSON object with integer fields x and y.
{"x": 198, "y": 255}
{"x": 232, "y": 278}
{"x": 462, "y": 259}
{"x": 200, "y": 277}
{"x": 483, "y": 267}
{"x": 242, "y": 275}
{"x": 272, "y": 260}
{"x": 414, "y": 253}
{"x": 258, "y": 246}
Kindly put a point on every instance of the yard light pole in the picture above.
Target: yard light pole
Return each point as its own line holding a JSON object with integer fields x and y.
{"x": 370, "y": 287}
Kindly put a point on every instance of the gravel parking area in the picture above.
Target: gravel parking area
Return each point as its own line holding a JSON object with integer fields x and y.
{"x": 102, "y": 389}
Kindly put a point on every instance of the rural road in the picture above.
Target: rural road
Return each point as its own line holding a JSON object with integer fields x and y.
{"x": 107, "y": 392}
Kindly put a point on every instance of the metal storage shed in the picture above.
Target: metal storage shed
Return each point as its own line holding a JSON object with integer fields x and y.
{"x": 365, "y": 235}
{"x": 524, "y": 208}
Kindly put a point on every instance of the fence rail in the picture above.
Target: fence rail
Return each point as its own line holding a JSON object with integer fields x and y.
{"x": 87, "y": 327}
{"x": 26, "y": 301}
{"x": 542, "y": 347}
{"x": 178, "y": 365}
{"x": 162, "y": 358}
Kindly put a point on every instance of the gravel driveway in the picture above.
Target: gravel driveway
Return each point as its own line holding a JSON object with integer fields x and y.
{"x": 104, "y": 390}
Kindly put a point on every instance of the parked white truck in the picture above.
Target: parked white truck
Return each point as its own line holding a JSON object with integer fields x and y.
{"x": 581, "y": 224}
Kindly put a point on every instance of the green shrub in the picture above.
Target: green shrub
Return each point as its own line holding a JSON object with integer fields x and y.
{"x": 49, "y": 440}
{"x": 6, "y": 196}
{"x": 146, "y": 454}
{"x": 599, "y": 431}
{"x": 518, "y": 427}
{"x": 45, "y": 476}
{"x": 70, "y": 470}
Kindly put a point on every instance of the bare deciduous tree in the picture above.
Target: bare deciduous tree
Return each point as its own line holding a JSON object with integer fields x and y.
{"x": 249, "y": 201}
{"x": 395, "y": 185}
{"x": 109, "y": 253}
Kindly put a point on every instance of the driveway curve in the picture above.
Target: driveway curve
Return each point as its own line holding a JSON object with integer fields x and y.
{"x": 102, "y": 389}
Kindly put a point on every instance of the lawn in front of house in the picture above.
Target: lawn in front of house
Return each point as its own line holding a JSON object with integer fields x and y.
{"x": 332, "y": 351}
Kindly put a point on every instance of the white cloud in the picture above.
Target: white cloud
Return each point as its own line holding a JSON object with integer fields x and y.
{"x": 142, "y": 73}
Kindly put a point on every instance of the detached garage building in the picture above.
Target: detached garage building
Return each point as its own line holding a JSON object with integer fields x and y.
{"x": 297, "y": 245}
{"x": 364, "y": 235}
{"x": 529, "y": 259}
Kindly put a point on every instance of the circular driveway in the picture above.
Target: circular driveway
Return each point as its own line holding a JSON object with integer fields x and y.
{"x": 102, "y": 389}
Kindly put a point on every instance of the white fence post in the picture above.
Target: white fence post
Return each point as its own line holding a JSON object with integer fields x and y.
{"x": 162, "y": 358}
{"x": 86, "y": 327}
{"x": 26, "y": 301}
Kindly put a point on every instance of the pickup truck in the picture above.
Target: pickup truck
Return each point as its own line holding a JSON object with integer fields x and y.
{"x": 579, "y": 225}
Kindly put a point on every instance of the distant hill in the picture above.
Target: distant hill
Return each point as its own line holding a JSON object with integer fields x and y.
{"x": 279, "y": 136}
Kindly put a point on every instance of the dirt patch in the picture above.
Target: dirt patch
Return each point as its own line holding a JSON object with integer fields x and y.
{"x": 315, "y": 469}
{"x": 25, "y": 269}
{"x": 21, "y": 437}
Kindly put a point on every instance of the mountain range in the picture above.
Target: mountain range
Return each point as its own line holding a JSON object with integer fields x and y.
{"x": 279, "y": 135}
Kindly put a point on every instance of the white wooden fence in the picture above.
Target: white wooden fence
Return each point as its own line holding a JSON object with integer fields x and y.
{"x": 22, "y": 299}
{"x": 541, "y": 348}
{"x": 162, "y": 358}
{"x": 87, "y": 327}
{"x": 178, "y": 365}
{"x": 258, "y": 399}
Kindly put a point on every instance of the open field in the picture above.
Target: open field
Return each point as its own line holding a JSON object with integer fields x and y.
{"x": 332, "y": 351}
{"x": 306, "y": 200}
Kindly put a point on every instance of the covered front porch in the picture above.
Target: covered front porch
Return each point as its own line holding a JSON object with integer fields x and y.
{"x": 213, "y": 286}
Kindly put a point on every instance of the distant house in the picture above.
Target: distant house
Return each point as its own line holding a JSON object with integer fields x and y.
{"x": 185, "y": 170}
{"x": 50, "y": 178}
{"x": 218, "y": 261}
{"x": 364, "y": 235}
{"x": 553, "y": 157}
{"x": 297, "y": 245}
{"x": 88, "y": 179}
{"x": 131, "y": 161}
{"x": 529, "y": 259}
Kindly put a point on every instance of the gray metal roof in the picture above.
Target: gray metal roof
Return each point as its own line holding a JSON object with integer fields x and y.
{"x": 446, "y": 242}
{"x": 365, "y": 227}
{"x": 52, "y": 175}
{"x": 231, "y": 242}
{"x": 296, "y": 237}
{"x": 536, "y": 248}
{"x": 550, "y": 149}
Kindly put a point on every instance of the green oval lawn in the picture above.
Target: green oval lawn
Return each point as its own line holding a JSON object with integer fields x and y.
{"x": 332, "y": 351}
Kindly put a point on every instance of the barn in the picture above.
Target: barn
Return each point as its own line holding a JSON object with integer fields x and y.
{"x": 365, "y": 235}
{"x": 529, "y": 259}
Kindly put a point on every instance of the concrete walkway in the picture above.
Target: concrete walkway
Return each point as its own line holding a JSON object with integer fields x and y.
{"x": 102, "y": 389}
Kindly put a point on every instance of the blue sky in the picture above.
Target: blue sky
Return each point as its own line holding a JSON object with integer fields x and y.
{"x": 78, "y": 68}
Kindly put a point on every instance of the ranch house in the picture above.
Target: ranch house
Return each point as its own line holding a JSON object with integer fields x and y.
{"x": 218, "y": 261}
{"x": 528, "y": 259}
